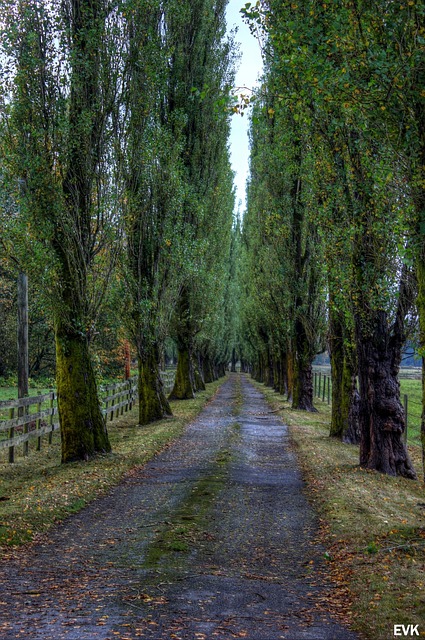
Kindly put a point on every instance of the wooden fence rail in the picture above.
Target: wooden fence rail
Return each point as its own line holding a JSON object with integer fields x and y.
{"x": 36, "y": 416}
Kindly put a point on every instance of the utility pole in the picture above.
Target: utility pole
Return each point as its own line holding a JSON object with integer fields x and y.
{"x": 23, "y": 365}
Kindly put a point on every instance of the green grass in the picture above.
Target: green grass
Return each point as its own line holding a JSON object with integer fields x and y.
{"x": 38, "y": 491}
{"x": 413, "y": 389}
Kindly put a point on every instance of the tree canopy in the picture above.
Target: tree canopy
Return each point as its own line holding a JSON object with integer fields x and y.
{"x": 117, "y": 199}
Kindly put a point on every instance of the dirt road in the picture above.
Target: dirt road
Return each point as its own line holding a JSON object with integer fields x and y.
{"x": 213, "y": 538}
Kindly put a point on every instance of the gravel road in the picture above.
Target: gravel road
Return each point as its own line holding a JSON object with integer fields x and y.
{"x": 212, "y": 539}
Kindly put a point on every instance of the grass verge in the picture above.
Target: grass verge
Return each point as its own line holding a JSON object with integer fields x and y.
{"x": 372, "y": 526}
{"x": 38, "y": 491}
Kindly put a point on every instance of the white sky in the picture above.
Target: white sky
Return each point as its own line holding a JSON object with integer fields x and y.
{"x": 250, "y": 68}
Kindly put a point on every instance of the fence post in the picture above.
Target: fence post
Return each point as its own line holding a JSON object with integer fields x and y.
{"x": 117, "y": 415}
{"x": 52, "y": 401}
{"x": 329, "y": 389}
{"x": 315, "y": 384}
{"x": 127, "y": 395}
{"x": 37, "y": 426}
{"x": 406, "y": 404}
{"x": 324, "y": 388}
{"x": 320, "y": 382}
{"x": 25, "y": 412}
{"x": 12, "y": 435}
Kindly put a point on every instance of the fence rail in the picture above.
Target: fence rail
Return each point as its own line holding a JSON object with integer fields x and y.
{"x": 405, "y": 373}
{"x": 37, "y": 416}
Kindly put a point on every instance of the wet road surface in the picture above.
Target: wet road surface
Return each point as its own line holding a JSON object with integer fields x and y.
{"x": 213, "y": 538}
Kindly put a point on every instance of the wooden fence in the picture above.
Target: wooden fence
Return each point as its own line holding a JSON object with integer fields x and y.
{"x": 25, "y": 424}
{"x": 32, "y": 418}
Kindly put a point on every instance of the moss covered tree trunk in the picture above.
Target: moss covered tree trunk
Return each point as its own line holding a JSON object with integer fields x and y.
{"x": 207, "y": 368}
{"x": 283, "y": 373}
{"x": 153, "y": 405}
{"x": 381, "y": 414}
{"x": 379, "y": 345}
{"x": 83, "y": 427}
{"x": 302, "y": 394}
{"x": 183, "y": 385}
{"x": 344, "y": 416}
{"x": 233, "y": 361}
{"x": 82, "y": 424}
{"x": 290, "y": 373}
{"x": 199, "y": 383}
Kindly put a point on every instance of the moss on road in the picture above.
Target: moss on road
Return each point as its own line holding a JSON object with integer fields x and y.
{"x": 212, "y": 538}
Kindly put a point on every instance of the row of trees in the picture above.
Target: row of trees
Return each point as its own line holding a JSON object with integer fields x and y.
{"x": 117, "y": 189}
{"x": 336, "y": 211}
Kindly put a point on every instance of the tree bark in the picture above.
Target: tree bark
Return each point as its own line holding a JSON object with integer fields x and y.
{"x": 290, "y": 374}
{"x": 381, "y": 414}
{"x": 184, "y": 382}
{"x": 233, "y": 364}
{"x": 207, "y": 369}
{"x": 153, "y": 404}
{"x": 183, "y": 385}
{"x": 83, "y": 427}
{"x": 345, "y": 397}
{"x": 302, "y": 397}
{"x": 199, "y": 383}
{"x": 283, "y": 373}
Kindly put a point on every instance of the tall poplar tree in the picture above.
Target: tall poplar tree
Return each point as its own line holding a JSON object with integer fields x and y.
{"x": 287, "y": 251}
{"x": 199, "y": 89}
{"x": 150, "y": 168}
{"x": 59, "y": 88}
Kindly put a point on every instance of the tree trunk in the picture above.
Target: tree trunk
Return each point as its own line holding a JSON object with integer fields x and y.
{"x": 276, "y": 374}
{"x": 184, "y": 382}
{"x": 418, "y": 193}
{"x": 153, "y": 404}
{"x": 352, "y": 434}
{"x": 207, "y": 369}
{"x": 83, "y": 427}
{"x": 199, "y": 384}
{"x": 302, "y": 397}
{"x": 233, "y": 365}
{"x": 290, "y": 374}
{"x": 269, "y": 369}
{"x": 345, "y": 397}
{"x": 381, "y": 414}
{"x": 183, "y": 385}
{"x": 336, "y": 348}
{"x": 127, "y": 360}
{"x": 303, "y": 387}
{"x": 283, "y": 373}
